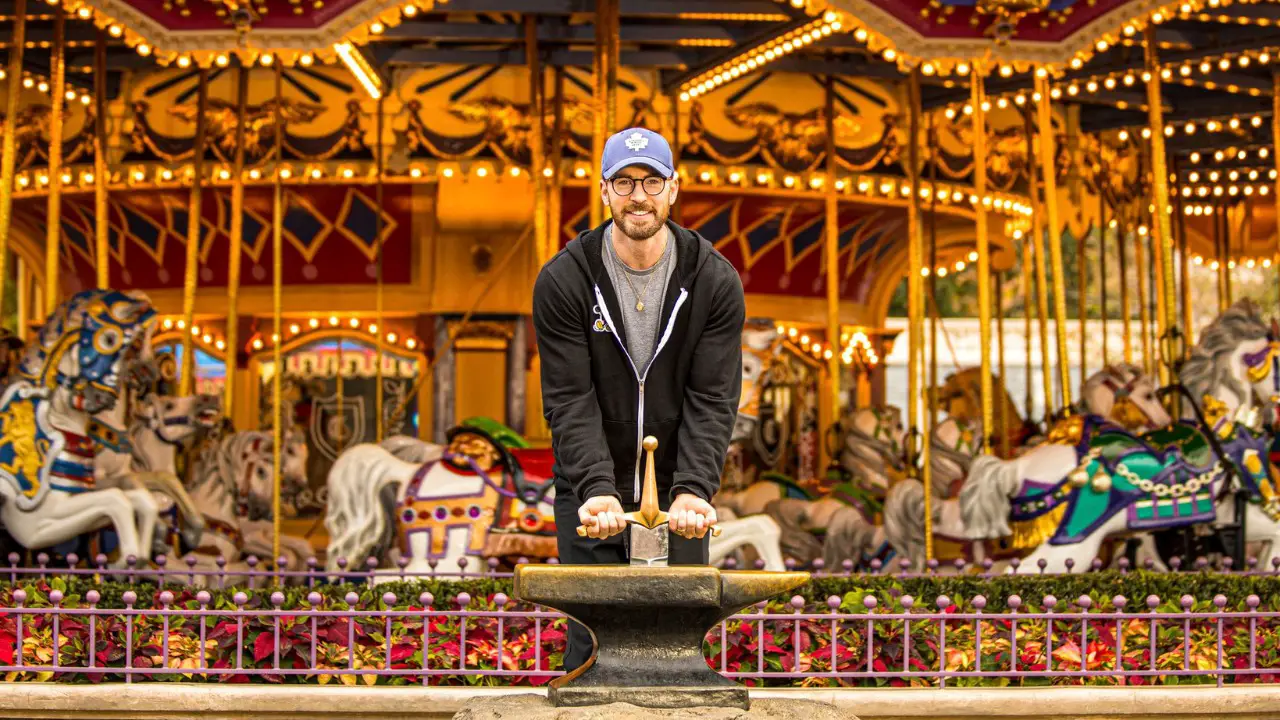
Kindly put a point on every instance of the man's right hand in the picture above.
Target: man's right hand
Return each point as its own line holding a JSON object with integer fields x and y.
{"x": 602, "y": 516}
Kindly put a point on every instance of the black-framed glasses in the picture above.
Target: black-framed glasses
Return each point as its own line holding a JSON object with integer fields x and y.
{"x": 624, "y": 186}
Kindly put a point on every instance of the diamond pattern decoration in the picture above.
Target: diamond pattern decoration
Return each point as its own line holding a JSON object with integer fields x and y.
{"x": 304, "y": 227}
{"x": 358, "y": 222}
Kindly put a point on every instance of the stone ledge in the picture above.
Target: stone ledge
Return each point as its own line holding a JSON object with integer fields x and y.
{"x": 171, "y": 701}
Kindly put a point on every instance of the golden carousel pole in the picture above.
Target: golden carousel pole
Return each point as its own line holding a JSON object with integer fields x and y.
{"x": 1082, "y": 301}
{"x": 831, "y": 254}
{"x": 537, "y": 153}
{"x": 378, "y": 395}
{"x": 1160, "y": 175}
{"x": 1102, "y": 275}
{"x": 1122, "y": 237}
{"x": 605, "y": 77}
{"x": 1041, "y": 283}
{"x": 557, "y": 152}
{"x": 1275, "y": 155}
{"x": 1184, "y": 274}
{"x": 187, "y": 381}
{"x": 277, "y": 279}
{"x": 927, "y": 481}
{"x": 235, "y": 252}
{"x": 1224, "y": 267}
{"x": 1144, "y": 310}
{"x": 53, "y": 228}
{"x": 1047, "y": 167}
{"x": 915, "y": 264}
{"x": 102, "y": 219}
{"x": 1004, "y": 406}
{"x": 8, "y": 140}
{"x": 977, "y": 98}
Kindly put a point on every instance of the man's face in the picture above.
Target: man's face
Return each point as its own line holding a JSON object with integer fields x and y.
{"x": 640, "y": 215}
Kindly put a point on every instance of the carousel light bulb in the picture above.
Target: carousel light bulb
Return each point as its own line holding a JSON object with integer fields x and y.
{"x": 1189, "y": 128}
{"x": 1128, "y": 79}
{"x": 88, "y": 178}
{"x": 377, "y": 28}
{"x": 1263, "y": 152}
{"x": 255, "y": 174}
{"x": 1266, "y": 262}
{"x": 115, "y": 31}
{"x": 333, "y": 320}
{"x": 515, "y": 172}
{"x": 1109, "y": 83}
{"x": 1224, "y": 64}
{"x": 220, "y": 344}
{"x": 294, "y": 329}
{"x": 1213, "y": 265}
{"x": 1184, "y": 71}
{"x": 316, "y": 173}
{"x": 373, "y": 329}
{"x": 1146, "y": 133}
{"x": 409, "y": 10}
{"x": 313, "y": 323}
{"x": 1256, "y": 121}
{"x": 735, "y": 177}
{"x": 950, "y": 113}
{"x": 267, "y": 59}
{"x": 1020, "y": 99}
{"x": 285, "y": 173}
{"x": 257, "y": 343}
{"x": 411, "y": 343}
{"x": 415, "y": 172}
{"x": 306, "y": 59}
{"x": 391, "y": 337}
{"x": 840, "y": 185}
{"x": 348, "y": 173}
{"x": 804, "y": 339}
{"x": 962, "y": 68}
{"x": 144, "y": 49}
{"x": 580, "y": 172}
{"x": 166, "y": 174}
{"x": 354, "y": 322}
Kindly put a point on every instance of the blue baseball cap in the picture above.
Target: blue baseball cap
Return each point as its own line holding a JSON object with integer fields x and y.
{"x": 637, "y": 146}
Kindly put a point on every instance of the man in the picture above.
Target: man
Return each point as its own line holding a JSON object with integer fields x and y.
{"x": 639, "y": 327}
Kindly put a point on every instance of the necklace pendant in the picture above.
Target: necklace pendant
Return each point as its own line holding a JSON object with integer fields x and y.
{"x": 639, "y": 306}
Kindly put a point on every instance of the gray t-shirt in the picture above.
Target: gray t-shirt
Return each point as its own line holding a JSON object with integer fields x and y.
{"x": 646, "y": 286}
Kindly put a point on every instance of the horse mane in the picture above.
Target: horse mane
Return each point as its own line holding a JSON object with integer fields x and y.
{"x": 1207, "y": 368}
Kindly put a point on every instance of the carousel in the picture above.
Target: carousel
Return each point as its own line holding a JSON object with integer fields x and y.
{"x": 266, "y": 270}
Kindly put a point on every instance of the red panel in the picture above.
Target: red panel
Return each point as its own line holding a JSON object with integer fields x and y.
{"x": 1029, "y": 29}
{"x": 203, "y": 14}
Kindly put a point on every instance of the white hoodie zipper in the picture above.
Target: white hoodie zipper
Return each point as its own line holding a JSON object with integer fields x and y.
{"x": 671, "y": 323}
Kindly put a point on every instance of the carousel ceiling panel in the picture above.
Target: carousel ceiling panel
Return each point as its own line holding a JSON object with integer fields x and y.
{"x": 330, "y": 237}
{"x": 776, "y": 242}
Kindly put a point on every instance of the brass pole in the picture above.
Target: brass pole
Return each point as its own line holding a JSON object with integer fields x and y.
{"x": 557, "y": 151}
{"x": 1275, "y": 156}
{"x": 831, "y": 250}
{"x": 1004, "y": 406}
{"x": 1082, "y": 301}
{"x": 1160, "y": 176}
{"x": 235, "y": 253}
{"x": 915, "y": 257}
{"x": 1226, "y": 252}
{"x": 378, "y": 290}
{"x": 933, "y": 338}
{"x": 53, "y": 229}
{"x": 537, "y": 159}
{"x": 1157, "y": 286}
{"x": 1220, "y": 250}
{"x": 1036, "y": 241}
{"x": 1027, "y": 303}
{"x": 1122, "y": 242}
{"x": 1144, "y": 313}
{"x": 1102, "y": 275}
{"x": 1047, "y": 167}
{"x": 1184, "y": 269}
{"x": 8, "y": 141}
{"x": 277, "y": 280}
{"x": 977, "y": 98}
{"x": 605, "y": 78}
{"x": 102, "y": 220}
{"x": 190, "y": 279}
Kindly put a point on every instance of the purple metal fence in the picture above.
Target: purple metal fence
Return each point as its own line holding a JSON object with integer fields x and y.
{"x": 260, "y": 573}
{"x": 851, "y": 641}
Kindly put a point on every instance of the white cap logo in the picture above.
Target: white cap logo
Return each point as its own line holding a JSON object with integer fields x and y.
{"x": 637, "y": 142}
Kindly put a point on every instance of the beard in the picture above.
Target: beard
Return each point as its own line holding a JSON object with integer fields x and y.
{"x": 640, "y": 228}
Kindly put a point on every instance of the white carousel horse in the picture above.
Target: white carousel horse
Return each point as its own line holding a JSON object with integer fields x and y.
{"x": 146, "y": 458}
{"x": 232, "y": 485}
{"x": 76, "y": 368}
{"x": 1065, "y": 498}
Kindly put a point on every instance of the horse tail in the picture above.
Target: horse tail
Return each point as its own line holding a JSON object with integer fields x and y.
{"x": 355, "y": 516}
{"x": 904, "y": 520}
{"x": 985, "y": 497}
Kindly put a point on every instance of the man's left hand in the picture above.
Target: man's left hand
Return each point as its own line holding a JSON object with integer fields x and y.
{"x": 690, "y": 516}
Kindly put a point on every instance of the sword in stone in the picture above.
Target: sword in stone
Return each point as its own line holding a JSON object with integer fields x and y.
{"x": 650, "y": 534}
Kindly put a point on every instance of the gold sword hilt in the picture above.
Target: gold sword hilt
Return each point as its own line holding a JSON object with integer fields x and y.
{"x": 649, "y": 515}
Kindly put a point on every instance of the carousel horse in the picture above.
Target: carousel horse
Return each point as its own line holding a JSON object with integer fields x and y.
{"x": 475, "y": 497}
{"x": 960, "y": 397}
{"x": 145, "y": 457}
{"x": 1121, "y": 393}
{"x": 1093, "y": 480}
{"x": 232, "y": 483}
{"x": 76, "y": 368}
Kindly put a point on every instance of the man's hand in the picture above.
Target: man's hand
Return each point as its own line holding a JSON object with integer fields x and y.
{"x": 690, "y": 516}
{"x": 602, "y": 517}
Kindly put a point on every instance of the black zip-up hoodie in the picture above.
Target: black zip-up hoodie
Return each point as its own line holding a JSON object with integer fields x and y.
{"x": 594, "y": 399}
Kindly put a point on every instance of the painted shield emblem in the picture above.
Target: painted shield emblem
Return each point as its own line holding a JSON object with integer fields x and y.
{"x": 331, "y": 429}
{"x": 770, "y": 431}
